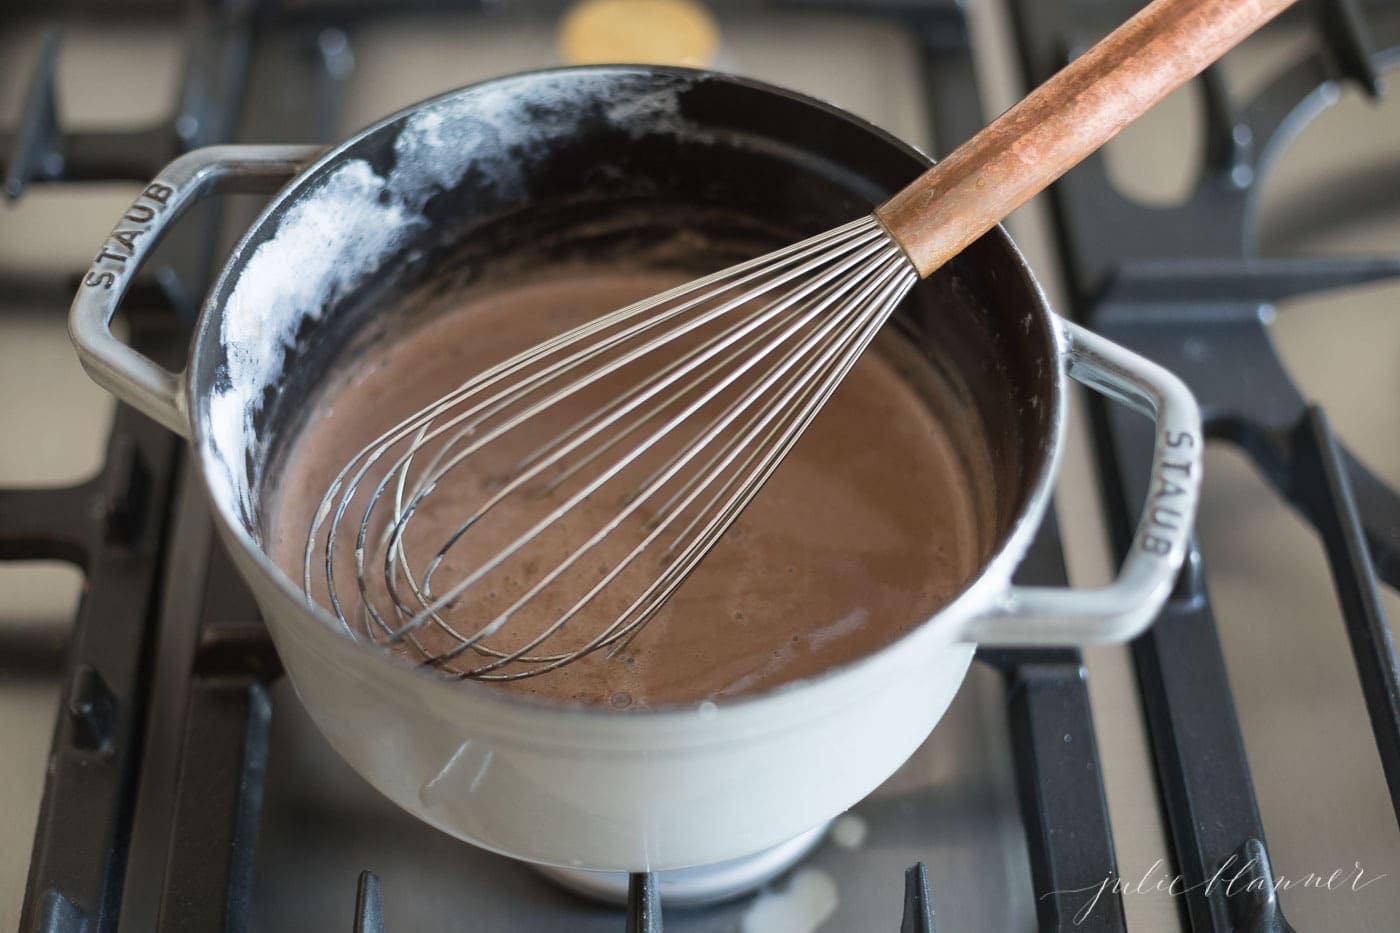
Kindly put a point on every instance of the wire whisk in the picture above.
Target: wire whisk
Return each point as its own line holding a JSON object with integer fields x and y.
{"x": 721, "y": 376}
{"x": 581, "y": 481}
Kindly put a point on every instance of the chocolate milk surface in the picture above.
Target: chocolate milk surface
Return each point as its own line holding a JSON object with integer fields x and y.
{"x": 863, "y": 532}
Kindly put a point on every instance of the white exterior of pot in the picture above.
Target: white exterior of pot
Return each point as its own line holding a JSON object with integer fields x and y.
{"x": 589, "y": 787}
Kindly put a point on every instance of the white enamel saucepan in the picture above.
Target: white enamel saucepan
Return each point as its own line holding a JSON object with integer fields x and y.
{"x": 600, "y": 162}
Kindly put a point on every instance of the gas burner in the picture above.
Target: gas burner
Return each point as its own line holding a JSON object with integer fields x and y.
{"x": 693, "y": 887}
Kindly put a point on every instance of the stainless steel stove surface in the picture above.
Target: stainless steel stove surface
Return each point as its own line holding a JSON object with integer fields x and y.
{"x": 185, "y": 787}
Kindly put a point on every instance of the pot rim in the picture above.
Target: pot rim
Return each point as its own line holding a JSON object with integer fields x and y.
{"x": 943, "y": 627}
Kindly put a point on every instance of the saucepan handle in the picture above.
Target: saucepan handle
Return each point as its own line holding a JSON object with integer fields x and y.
{"x": 1124, "y": 608}
{"x": 129, "y": 375}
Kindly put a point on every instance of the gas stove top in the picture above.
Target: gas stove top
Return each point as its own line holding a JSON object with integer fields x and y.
{"x": 1247, "y": 235}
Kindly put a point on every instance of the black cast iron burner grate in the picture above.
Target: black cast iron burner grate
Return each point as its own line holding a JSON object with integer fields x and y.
{"x": 104, "y": 814}
{"x": 644, "y": 904}
{"x": 1184, "y": 287}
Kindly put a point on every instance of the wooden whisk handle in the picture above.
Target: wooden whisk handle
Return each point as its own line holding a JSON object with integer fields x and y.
{"x": 1069, "y": 116}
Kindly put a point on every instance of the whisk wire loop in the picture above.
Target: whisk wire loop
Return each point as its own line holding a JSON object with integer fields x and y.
{"x": 713, "y": 430}
{"x": 719, "y": 378}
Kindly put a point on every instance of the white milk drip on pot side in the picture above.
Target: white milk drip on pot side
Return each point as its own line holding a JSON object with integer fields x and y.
{"x": 866, "y": 529}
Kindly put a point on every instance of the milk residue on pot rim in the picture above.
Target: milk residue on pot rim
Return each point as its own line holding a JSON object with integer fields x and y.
{"x": 293, "y": 276}
{"x": 339, "y": 232}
